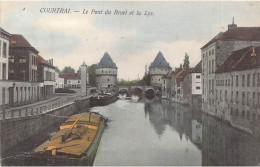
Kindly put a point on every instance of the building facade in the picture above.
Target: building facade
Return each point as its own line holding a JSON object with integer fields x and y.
{"x": 191, "y": 84}
{"x": 71, "y": 80}
{"x": 106, "y": 72}
{"x": 237, "y": 92}
{"x": 22, "y": 60}
{"x": 59, "y": 82}
{"x": 216, "y": 51}
{"x": 46, "y": 74}
{"x": 159, "y": 68}
{"x": 14, "y": 91}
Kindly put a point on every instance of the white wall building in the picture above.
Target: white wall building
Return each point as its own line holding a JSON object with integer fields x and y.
{"x": 106, "y": 72}
{"x": 59, "y": 82}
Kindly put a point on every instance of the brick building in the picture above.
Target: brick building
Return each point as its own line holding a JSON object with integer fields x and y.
{"x": 215, "y": 52}
{"x": 22, "y": 59}
{"x": 237, "y": 91}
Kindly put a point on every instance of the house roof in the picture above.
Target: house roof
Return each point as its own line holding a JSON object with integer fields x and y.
{"x": 197, "y": 68}
{"x": 42, "y": 61}
{"x": 19, "y": 41}
{"x": 106, "y": 62}
{"x": 160, "y": 61}
{"x": 73, "y": 76}
{"x": 241, "y": 60}
{"x": 237, "y": 33}
{"x": 3, "y": 31}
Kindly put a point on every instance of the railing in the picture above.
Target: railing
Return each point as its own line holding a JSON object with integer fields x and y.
{"x": 37, "y": 109}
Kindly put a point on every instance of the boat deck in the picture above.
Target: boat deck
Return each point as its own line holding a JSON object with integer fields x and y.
{"x": 80, "y": 130}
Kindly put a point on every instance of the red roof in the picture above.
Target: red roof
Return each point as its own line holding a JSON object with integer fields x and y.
{"x": 42, "y": 61}
{"x": 19, "y": 41}
{"x": 238, "y": 33}
{"x": 74, "y": 76}
{"x": 241, "y": 60}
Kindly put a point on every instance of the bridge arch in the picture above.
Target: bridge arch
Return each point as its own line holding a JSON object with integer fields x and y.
{"x": 137, "y": 90}
{"x": 150, "y": 91}
{"x": 123, "y": 90}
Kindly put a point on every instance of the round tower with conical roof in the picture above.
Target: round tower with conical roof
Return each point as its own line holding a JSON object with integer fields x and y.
{"x": 158, "y": 69}
{"x": 106, "y": 72}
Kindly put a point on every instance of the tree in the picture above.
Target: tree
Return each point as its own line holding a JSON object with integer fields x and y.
{"x": 186, "y": 63}
{"x": 57, "y": 69}
{"x": 68, "y": 69}
{"x": 91, "y": 75}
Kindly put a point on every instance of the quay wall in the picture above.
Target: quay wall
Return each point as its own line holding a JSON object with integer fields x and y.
{"x": 14, "y": 131}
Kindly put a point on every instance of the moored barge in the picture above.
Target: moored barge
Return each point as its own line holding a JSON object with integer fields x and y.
{"x": 76, "y": 142}
{"x": 103, "y": 99}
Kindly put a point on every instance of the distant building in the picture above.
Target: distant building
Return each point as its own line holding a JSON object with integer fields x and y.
{"x": 216, "y": 51}
{"x": 191, "y": 84}
{"x": 158, "y": 69}
{"x": 177, "y": 86}
{"x": 46, "y": 74}
{"x": 106, "y": 72}
{"x": 59, "y": 82}
{"x": 71, "y": 80}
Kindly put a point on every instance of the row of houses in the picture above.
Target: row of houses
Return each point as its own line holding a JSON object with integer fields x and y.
{"x": 25, "y": 76}
{"x": 226, "y": 81}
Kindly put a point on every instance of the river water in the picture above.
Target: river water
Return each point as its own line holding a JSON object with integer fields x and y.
{"x": 153, "y": 131}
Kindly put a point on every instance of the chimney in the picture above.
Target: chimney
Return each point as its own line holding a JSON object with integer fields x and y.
{"x": 253, "y": 57}
{"x": 233, "y": 25}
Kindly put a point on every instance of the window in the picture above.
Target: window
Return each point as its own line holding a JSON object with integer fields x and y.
{"x": 159, "y": 79}
{"x": 4, "y": 71}
{"x": 243, "y": 114}
{"x": 11, "y": 59}
{"x": 212, "y": 87}
{"x": 258, "y": 80}
{"x": 78, "y": 81}
{"x": 232, "y": 81}
{"x": 4, "y": 49}
{"x": 212, "y": 51}
{"x": 198, "y": 76}
{"x": 243, "y": 80}
{"x": 237, "y": 97}
{"x": 220, "y": 95}
{"x": 197, "y": 87}
{"x": 3, "y": 95}
{"x": 259, "y": 99}
{"x": 243, "y": 98}
{"x": 231, "y": 97}
{"x": 248, "y": 80}
{"x": 248, "y": 95}
{"x": 209, "y": 67}
{"x": 22, "y": 59}
{"x": 212, "y": 66}
{"x": 236, "y": 80}
{"x": 253, "y": 80}
{"x": 225, "y": 95}
{"x": 253, "y": 98}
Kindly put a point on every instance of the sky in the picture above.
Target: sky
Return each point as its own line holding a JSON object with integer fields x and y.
{"x": 132, "y": 41}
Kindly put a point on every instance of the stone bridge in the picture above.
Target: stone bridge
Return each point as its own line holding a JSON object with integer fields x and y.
{"x": 137, "y": 89}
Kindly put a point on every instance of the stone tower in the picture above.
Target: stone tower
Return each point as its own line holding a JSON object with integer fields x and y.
{"x": 158, "y": 69}
{"x": 106, "y": 72}
{"x": 84, "y": 78}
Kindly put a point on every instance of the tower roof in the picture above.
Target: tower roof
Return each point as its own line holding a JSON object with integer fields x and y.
{"x": 106, "y": 62}
{"x": 160, "y": 61}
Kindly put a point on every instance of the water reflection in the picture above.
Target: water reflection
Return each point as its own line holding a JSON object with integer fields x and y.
{"x": 153, "y": 131}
